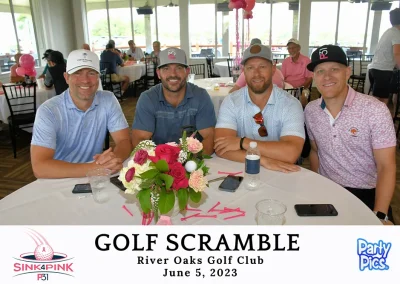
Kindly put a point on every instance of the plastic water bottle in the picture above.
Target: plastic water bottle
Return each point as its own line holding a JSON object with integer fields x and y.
{"x": 252, "y": 167}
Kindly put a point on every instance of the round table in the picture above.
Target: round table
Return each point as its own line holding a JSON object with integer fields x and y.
{"x": 217, "y": 94}
{"x": 51, "y": 201}
{"x": 133, "y": 70}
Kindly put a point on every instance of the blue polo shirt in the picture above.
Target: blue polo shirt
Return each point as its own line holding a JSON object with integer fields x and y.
{"x": 76, "y": 135}
{"x": 154, "y": 114}
{"x": 283, "y": 115}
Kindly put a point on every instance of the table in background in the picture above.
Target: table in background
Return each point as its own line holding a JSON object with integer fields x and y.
{"x": 133, "y": 70}
{"x": 42, "y": 95}
{"x": 51, "y": 201}
{"x": 217, "y": 96}
{"x": 221, "y": 68}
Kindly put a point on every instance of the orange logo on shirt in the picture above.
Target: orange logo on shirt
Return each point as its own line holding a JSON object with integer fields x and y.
{"x": 353, "y": 131}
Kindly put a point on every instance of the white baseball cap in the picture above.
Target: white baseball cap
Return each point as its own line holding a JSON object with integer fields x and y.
{"x": 82, "y": 58}
{"x": 293, "y": 40}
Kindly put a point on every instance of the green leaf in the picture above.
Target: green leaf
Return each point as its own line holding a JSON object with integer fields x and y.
{"x": 167, "y": 179}
{"x": 199, "y": 165}
{"x": 194, "y": 196}
{"x": 183, "y": 197}
{"x": 144, "y": 199}
{"x": 162, "y": 166}
{"x": 147, "y": 183}
{"x": 206, "y": 156}
{"x": 159, "y": 181}
{"x": 149, "y": 174}
{"x": 166, "y": 201}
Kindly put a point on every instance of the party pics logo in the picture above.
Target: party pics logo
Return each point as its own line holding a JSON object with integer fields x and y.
{"x": 43, "y": 261}
{"x": 373, "y": 256}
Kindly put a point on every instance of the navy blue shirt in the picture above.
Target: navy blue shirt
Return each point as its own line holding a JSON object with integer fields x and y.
{"x": 112, "y": 58}
{"x": 154, "y": 114}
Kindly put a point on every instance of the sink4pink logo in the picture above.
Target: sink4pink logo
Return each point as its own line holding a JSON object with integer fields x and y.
{"x": 43, "y": 261}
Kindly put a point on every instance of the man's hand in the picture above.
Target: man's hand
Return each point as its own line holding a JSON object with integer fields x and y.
{"x": 108, "y": 160}
{"x": 388, "y": 222}
{"x": 41, "y": 76}
{"x": 275, "y": 165}
{"x": 225, "y": 144}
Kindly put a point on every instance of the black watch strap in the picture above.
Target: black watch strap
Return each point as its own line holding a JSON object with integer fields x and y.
{"x": 381, "y": 216}
{"x": 241, "y": 143}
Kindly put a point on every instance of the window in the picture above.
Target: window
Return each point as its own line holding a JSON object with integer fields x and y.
{"x": 120, "y": 23}
{"x": 144, "y": 27}
{"x": 282, "y": 24}
{"x": 25, "y": 35}
{"x": 97, "y": 24}
{"x": 323, "y": 23}
{"x": 201, "y": 32}
{"x": 260, "y": 24}
{"x": 168, "y": 25}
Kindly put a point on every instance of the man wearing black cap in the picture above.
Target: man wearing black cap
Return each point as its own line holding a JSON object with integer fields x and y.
{"x": 352, "y": 135}
{"x": 56, "y": 69}
{"x": 386, "y": 57}
{"x": 45, "y": 55}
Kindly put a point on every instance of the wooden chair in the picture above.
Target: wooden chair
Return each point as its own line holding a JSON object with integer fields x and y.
{"x": 210, "y": 67}
{"x": 107, "y": 83}
{"x": 295, "y": 92}
{"x": 198, "y": 70}
{"x": 230, "y": 65}
{"x": 21, "y": 100}
{"x": 150, "y": 79}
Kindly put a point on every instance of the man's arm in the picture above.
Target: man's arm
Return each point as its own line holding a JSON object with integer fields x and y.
{"x": 314, "y": 160}
{"x": 307, "y": 83}
{"x": 208, "y": 140}
{"x": 140, "y": 135}
{"x": 234, "y": 88}
{"x": 386, "y": 166}
{"x": 44, "y": 166}
{"x": 396, "y": 54}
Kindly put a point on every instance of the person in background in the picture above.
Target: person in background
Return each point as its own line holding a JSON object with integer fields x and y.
{"x": 353, "y": 141}
{"x": 55, "y": 73}
{"x": 45, "y": 55}
{"x": 261, "y": 112}
{"x": 386, "y": 57}
{"x": 86, "y": 46}
{"x": 112, "y": 57}
{"x": 134, "y": 53}
{"x": 156, "y": 51}
{"x": 167, "y": 109}
{"x": 14, "y": 77}
{"x": 70, "y": 129}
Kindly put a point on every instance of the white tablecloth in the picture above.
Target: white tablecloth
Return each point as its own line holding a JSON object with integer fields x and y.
{"x": 41, "y": 96}
{"x": 51, "y": 201}
{"x": 134, "y": 71}
{"x": 221, "y": 68}
{"x": 217, "y": 96}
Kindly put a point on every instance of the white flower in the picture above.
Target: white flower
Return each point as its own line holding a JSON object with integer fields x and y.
{"x": 182, "y": 157}
{"x": 134, "y": 185}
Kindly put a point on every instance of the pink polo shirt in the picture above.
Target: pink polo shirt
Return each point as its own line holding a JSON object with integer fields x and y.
{"x": 277, "y": 79}
{"x": 296, "y": 73}
{"x": 346, "y": 143}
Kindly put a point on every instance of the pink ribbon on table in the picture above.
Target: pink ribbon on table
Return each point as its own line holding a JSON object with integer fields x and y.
{"x": 127, "y": 210}
{"x": 229, "y": 173}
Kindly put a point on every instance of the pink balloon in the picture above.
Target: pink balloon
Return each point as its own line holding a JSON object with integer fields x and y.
{"x": 21, "y": 71}
{"x": 249, "y": 5}
{"x": 27, "y": 61}
{"x": 248, "y": 15}
{"x": 31, "y": 72}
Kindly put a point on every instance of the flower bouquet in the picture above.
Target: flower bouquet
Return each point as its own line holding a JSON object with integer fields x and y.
{"x": 160, "y": 175}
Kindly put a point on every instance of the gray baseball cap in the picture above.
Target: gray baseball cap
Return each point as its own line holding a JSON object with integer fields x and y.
{"x": 257, "y": 50}
{"x": 255, "y": 41}
{"x": 172, "y": 55}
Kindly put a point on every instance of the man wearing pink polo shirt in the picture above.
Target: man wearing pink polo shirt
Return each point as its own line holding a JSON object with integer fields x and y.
{"x": 352, "y": 135}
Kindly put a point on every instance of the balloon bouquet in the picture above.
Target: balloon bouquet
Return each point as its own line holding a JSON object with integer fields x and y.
{"x": 27, "y": 67}
{"x": 247, "y": 6}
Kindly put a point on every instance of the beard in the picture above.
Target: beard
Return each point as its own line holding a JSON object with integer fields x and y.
{"x": 175, "y": 88}
{"x": 260, "y": 89}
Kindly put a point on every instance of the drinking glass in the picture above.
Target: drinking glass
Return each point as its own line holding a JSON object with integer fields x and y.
{"x": 99, "y": 179}
{"x": 270, "y": 212}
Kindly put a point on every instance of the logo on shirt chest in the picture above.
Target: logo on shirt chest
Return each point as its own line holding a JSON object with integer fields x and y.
{"x": 353, "y": 131}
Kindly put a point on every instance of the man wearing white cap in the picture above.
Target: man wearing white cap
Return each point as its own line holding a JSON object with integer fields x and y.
{"x": 70, "y": 129}
{"x": 261, "y": 112}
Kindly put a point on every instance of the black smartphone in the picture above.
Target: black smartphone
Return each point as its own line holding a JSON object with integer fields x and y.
{"x": 315, "y": 210}
{"x": 115, "y": 181}
{"x": 82, "y": 188}
{"x": 230, "y": 183}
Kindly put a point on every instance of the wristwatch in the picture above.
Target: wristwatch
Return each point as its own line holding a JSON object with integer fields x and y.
{"x": 381, "y": 216}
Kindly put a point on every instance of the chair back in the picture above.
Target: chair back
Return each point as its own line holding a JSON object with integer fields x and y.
{"x": 295, "y": 92}
{"x": 210, "y": 66}
{"x": 105, "y": 66}
{"x": 21, "y": 98}
{"x": 230, "y": 65}
{"x": 151, "y": 77}
{"x": 198, "y": 70}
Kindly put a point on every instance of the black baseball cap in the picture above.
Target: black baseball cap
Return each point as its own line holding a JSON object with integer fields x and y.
{"x": 47, "y": 53}
{"x": 327, "y": 53}
{"x": 56, "y": 57}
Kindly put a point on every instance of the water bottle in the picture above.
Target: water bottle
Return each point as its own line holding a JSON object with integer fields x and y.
{"x": 252, "y": 167}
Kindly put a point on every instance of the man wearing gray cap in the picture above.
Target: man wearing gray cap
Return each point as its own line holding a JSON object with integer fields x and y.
{"x": 261, "y": 112}
{"x": 70, "y": 129}
{"x": 165, "y": 110}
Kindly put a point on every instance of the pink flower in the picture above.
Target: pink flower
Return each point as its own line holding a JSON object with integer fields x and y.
{"x": 197, "y": 181}
{"x": 166, "y": 152}
{"x": 172, "y": 144}
{"x": 194, "y": 145}
{"x": 130, "y": 174}
{"x": 140, "y": 157}
{"x": 177, "y": 171}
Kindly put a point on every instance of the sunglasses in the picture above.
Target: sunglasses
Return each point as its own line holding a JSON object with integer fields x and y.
{"x": 259, "y": 119}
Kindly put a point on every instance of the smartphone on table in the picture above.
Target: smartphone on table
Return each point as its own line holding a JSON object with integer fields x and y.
{"x": 82, "y": 188}
{"x": 230, "y": 183}
{"x": 304, "y": 210}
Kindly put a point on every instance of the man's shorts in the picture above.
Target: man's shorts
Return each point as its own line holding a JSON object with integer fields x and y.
{"x": 117, "y": 78}
{"x": 381, "y": 82}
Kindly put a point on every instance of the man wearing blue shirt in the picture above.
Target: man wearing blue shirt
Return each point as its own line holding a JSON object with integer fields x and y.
{"x": 261, "y": 112}
{"x": 164, "y": 111}
{"x": 70, "y": 129}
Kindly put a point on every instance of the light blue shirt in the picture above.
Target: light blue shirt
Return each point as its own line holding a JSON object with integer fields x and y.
{"x": 283, "y": 115}
{"x": 76, "y": 135}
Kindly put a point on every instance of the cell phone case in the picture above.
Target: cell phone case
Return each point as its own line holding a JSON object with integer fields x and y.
{"x": 115, "y": 181}
{"x": 82, "y": 188}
